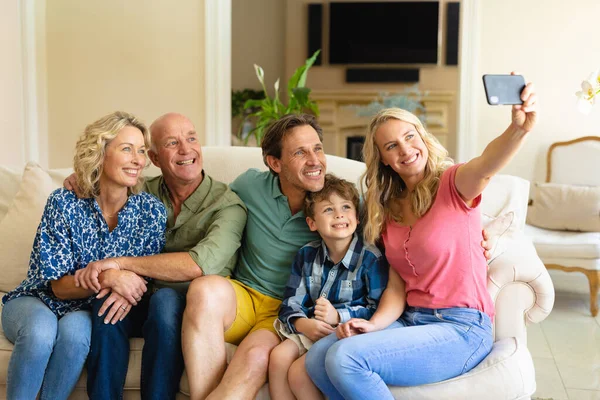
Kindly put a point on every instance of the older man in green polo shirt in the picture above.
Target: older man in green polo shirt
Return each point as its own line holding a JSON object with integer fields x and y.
{"x": 205, "y": 221}
{"x": 241, "y": 310}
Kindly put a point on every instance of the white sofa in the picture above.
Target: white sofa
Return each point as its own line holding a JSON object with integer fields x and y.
{"x": 518, "y": 282}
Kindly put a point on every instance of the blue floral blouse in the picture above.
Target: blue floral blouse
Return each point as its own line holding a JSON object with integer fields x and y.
{"x": 73, "y": 233}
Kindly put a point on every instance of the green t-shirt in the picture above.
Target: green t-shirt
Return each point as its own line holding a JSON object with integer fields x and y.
{"x": 209, "y": 226}
{"x": 273, "y": 235}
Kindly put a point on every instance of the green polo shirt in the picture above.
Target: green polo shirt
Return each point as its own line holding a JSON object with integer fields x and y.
{"x": 273, "y": 235}
{"x": 209, "y": 226}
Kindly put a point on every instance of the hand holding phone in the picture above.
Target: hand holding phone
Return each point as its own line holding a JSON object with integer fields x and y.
{"x": 503, "y": 89}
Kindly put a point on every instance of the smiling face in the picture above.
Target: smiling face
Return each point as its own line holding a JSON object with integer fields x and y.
{"x": 125, "y": 157}
{"x": 334, "y": 218}
{"x": 402, "y": 148}
{"x": 176, "y": 149}
{"x": 302, "y": 164}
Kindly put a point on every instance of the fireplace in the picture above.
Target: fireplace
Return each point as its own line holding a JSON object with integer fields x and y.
{"x": 344, "y": 130}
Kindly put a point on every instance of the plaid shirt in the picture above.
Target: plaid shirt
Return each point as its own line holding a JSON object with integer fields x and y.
{"x": 353, "y": 286}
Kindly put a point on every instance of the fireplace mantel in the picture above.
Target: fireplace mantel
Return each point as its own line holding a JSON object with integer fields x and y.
{"x": 339, "y": 121}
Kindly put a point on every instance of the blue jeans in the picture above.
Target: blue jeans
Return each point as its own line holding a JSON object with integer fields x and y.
{"x": 423, "y": 346}
{"x": 49, "y": 353}
{"x": 157, "y": 318}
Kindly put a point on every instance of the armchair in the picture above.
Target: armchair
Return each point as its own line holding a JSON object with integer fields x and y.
{"x": 574, "y": 162}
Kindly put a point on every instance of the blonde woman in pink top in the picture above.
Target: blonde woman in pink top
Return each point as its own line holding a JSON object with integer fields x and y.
{"x": 434, "y": 318}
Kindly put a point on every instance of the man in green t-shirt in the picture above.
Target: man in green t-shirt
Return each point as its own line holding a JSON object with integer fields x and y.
{"x": 241, "y": 310}
{"x": 205, "y": 221}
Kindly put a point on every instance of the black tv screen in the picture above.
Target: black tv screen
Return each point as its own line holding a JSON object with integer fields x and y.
{"x": 383, "y": 33}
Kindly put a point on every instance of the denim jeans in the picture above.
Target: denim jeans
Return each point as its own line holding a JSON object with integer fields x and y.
{"x": 157, "y": 318}
{"x": 49, "y": 353}
{"x": 423, "y": 346}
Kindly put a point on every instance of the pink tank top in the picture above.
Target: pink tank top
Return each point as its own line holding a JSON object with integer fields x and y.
{"x": 440, "y": 257}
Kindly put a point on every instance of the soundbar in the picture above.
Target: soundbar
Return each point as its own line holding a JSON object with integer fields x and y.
{"x": 382, "y": 75}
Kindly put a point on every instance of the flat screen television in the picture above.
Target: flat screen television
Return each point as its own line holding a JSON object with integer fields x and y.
{"x": 383, "y": 32}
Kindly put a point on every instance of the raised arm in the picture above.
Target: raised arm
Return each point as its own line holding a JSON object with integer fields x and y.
{"x": 473, "y": 177}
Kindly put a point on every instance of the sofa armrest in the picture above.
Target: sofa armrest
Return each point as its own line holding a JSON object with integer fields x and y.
{"x": 521, "y": 289}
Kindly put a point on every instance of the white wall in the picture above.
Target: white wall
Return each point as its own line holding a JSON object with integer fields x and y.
{"x": 257, "y": 37}
{"x": 142, "y": 56}
{"x": 553, "y": 43}
{"x": 12, "y": 150}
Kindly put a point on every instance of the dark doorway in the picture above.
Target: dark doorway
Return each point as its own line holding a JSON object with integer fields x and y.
{"x": 354, "y": 145}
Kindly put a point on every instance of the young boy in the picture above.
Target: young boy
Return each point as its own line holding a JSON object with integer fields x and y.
{"x": 332, "y": 280}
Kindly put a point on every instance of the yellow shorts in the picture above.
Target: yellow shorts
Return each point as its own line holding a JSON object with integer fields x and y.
{"x": 254, "y": 311}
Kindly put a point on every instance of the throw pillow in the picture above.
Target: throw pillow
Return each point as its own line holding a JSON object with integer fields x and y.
{"x": 18, "y": 227}
{"x": 565, "y": 207}
{"x": 10, "y": 179}
{"x": 498, "y": 231}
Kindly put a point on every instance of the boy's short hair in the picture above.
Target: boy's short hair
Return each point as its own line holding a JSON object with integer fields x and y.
{"x": 333, "y": 185}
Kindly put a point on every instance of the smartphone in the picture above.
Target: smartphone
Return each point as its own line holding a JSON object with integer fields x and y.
{"x": 503, "y": 89}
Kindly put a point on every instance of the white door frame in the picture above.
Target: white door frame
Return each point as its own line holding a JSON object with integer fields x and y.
{"x": 466, "y": 133}
{"x": 33, "y": 61}
{"x": 217, "y": 70}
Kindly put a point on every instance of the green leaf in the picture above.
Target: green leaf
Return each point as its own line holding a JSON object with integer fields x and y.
{"x": 298, "y": 79}
{"x": 292, "y": 107}
{"x": 313, "y": 107}
{"x": 309, "y": 63}
{"x": 252, "y": 103}
{"x": 301, "y": 95}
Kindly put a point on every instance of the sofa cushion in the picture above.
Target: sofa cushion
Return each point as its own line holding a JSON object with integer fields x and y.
{"x": 565, "y": 207}
{"x": 564, "y": 244}
{"x": 506, "y": 193}
{"x": 18, "y": 227}
{"x": 499, "y": 231}
{"x": 10, "y": 179}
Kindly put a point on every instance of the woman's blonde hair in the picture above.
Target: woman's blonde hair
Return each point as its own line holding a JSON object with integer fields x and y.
{"x": 90, "y": 150}
{"x": 384, "y": 185}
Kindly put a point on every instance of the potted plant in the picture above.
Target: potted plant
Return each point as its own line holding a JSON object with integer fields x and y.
{"x": 268, "y": 109}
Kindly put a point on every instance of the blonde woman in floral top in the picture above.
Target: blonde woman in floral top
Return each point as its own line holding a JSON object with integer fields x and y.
{"x": 47, "y": 317}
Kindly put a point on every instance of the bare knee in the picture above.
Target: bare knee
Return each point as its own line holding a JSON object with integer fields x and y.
{"x": 297, "y": 376}
{"x": 257, "y": 359}
{"x": 208, "y": 291}
{"x": 208, "y": 295}
{"x": 281, "y": 359}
